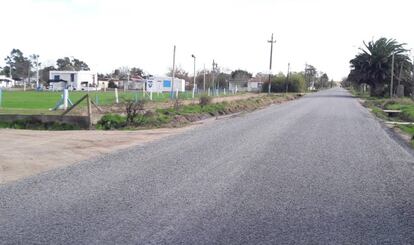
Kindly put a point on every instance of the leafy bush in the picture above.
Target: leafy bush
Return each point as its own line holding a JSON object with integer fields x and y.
{"x": 112, "y": 121}
{"x": 205, "y": 100}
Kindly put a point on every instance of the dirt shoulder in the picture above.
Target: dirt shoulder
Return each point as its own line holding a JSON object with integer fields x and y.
{"x": 28, "y": 152}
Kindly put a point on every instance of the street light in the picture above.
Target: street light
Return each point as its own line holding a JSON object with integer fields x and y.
{"x": 194, "y": 74}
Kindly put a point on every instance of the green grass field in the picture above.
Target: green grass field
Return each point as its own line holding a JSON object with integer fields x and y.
{"x": 40, "y": 102}
{"x": 32, "y": 100}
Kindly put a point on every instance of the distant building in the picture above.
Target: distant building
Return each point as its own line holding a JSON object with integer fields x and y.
{"x": 73, "y": 80}
{"x": 6, "y": 82}
{"x": 163, "y": 84}
{"x": 255, "y": 84}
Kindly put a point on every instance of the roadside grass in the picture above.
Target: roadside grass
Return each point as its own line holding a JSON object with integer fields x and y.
{"x": 176, "y": 117}
{"x": 406, "y": 105}
{"x": 37, "y": 125}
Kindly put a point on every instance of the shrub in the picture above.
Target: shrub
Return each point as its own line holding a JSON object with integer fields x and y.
{"x": 112, "y": 121}
{"x": 133, "y": 108}
{"x": 205, "y": 100}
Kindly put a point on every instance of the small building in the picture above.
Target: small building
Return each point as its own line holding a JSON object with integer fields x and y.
{"x": 254, "y": 86}
{"x": 6, "y": 82}
{"x": 73, "y": 80}
{"x": 163, "y": 84}
{"x": 238, "y": 85}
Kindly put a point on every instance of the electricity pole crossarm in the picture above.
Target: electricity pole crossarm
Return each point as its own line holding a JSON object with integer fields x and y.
{"x": 271, "y": 41}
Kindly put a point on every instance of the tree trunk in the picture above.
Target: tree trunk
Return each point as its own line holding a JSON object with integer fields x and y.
{"x": 377, "y": 90}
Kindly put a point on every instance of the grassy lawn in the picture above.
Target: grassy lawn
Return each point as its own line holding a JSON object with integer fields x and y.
{"x": 32, "y": 100}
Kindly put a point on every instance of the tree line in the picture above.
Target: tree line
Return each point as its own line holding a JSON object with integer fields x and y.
{"x": 23, "y": 67}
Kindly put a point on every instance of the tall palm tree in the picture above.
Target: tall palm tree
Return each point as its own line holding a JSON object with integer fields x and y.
{"x": 372, "y": 65}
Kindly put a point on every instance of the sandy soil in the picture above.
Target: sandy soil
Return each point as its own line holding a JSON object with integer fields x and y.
{"x": 27, "y": 152}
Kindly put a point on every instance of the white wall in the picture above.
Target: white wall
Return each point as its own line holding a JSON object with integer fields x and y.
{"x": 158, "y": 84}
{"x": 80, "y": 76}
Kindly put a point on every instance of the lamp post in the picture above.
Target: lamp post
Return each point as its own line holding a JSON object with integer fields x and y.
{"x": 194, "y": 83}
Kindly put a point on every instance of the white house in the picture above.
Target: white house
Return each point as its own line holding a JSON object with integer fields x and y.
{"x": 6, "y": 82}
{"x": 73, "y": 80}
{"x": 254, "y": 86}
{"x": 163, "y": 84}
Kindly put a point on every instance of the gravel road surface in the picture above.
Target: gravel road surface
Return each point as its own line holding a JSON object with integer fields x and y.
{"x": 318, "y": 170}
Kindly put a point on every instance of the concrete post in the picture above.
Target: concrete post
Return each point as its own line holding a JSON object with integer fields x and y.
{"x": 116, "y": 96}
{"x": 65, "y": 99}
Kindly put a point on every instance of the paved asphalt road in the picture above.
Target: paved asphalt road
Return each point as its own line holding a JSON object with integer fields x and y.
{"x": 319, "y": 170}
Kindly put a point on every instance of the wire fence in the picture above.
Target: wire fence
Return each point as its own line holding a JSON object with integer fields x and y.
{"x": 11, "y": 100}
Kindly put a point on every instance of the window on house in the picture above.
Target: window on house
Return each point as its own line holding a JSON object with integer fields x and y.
{"x": 72, "y": 77}
{"x": 56, "y": 78}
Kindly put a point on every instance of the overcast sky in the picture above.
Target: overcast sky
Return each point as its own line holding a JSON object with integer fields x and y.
{"x": 107, "y": 34}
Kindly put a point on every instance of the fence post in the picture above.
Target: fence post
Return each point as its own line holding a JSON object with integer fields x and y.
{"x": 116, "y": 96}
{"x": 65, "y": 99}
{"x": 151, "y": 95}
{"x": 88, "y": 101}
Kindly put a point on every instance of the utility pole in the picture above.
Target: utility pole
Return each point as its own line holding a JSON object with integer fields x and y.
{"x": 204, "y": 79}
{"x": 194, "y": 83}
{"x": 412, "y": 79}
{"x": 392, "y": 75}
{"x": 287, "y": 77}
{"x": 37, "y": 71}
{"x": 271, "y": 57}
{"x": 212, "y": 75}
{"x": 173, "y": 74}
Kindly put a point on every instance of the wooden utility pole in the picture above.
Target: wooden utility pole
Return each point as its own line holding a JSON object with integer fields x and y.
{"x": 271, "y": 41}
{"x": 173, "y": 74}
{"x": 287, "y": 78}
{"x": 204, "y": 79}
{"x": 392, "y": 75}
{"x": 88, "y": 101}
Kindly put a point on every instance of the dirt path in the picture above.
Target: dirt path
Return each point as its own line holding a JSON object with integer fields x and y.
{"x": 27, "y": 152}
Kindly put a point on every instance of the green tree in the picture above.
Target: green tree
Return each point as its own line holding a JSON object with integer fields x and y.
{"x": 135, "y": 71}
{"x": 67, "y": 64}
{"x": 20, "y": 65}
{"x": 44, "y": 73}
{"x": 372, "y": 65}
{"x": 241, "y": 75}
{"x": 295, "y": 83}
